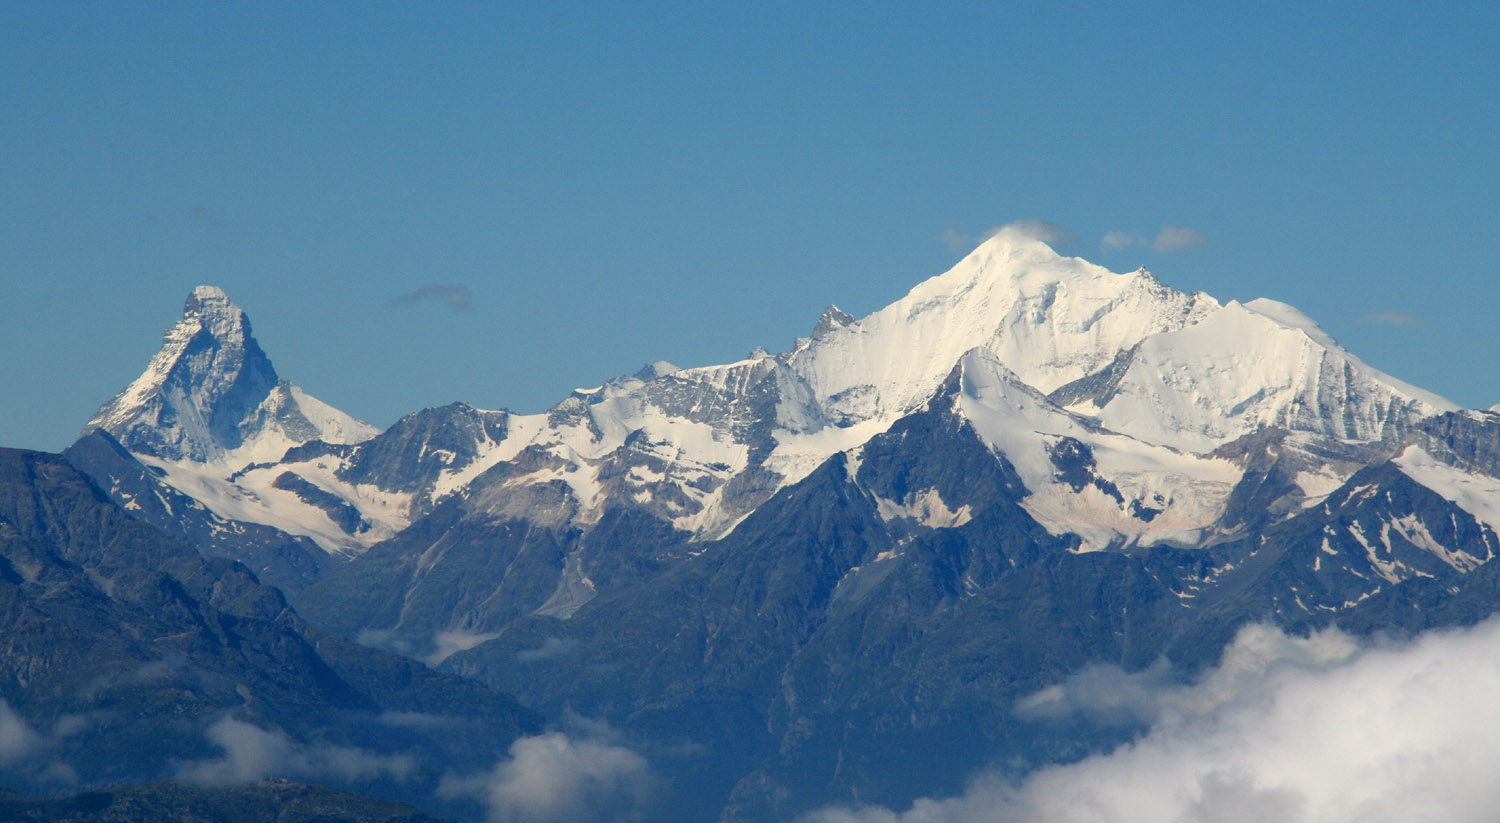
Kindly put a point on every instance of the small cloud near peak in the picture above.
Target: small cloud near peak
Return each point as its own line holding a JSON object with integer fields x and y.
{"x": 1050, "y": 233}
{"x": 1178, "y": 238}
{"x": 957, "y": 242}
{"x": 1030, "y": 229}
{"x": 1169, "y": 239}
{"x": 1115, "y": 240}
{"x": 456, "y": 296}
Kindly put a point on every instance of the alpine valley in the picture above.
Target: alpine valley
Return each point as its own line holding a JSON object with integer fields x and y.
{"x": 739, "y": 592}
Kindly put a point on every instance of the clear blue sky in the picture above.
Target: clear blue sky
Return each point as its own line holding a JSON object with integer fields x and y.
{"x": 619, "y": 183}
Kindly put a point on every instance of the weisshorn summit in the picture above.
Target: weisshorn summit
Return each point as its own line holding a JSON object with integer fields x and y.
{"x": 778, "y": 578}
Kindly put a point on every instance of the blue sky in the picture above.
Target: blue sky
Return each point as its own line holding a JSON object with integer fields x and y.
{"x": 614, "y": 185}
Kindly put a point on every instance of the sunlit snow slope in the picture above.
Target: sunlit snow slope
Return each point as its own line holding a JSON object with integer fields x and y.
{"x": 1056, "y": 350}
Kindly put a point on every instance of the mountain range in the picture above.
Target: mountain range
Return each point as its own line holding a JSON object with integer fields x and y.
{"x": 820, "y": 576}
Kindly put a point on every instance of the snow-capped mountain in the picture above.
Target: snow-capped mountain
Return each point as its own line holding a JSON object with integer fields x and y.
{"x": 210, "y": 403}
{"x": 874, "y": 541}
{"x": 210, "y": 395}
{"x": 1246, "y": 367}
{"x": 1124, "y": 353}
{"x": 1139, "y": 368}
{"x": 1087, "y": 481}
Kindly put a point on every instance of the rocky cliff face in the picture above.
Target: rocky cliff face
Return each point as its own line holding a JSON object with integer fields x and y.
{"x": 210, "y": 395}
{"x": 127, "y": 656}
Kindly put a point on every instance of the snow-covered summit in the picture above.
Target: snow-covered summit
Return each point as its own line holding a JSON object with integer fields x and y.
{"x": 1245, "y": 367}
{"x": 211, "y": 395}
{"x": 1152, "y": 370}
{"x": 1050, "y": 319}
{"x": 1064, "y": 363}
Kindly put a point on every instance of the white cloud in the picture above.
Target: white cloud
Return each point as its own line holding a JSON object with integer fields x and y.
{"x": 1120, "y": 239}
{"x": 18, "y": 741}
{"x": 1178, "y": 238}
{"x": 1169, "y": 239}
{"x": 956, "y": 242}
{"x": 1049, "y": 233}
{"x": 448, "y": 643}
{"x": 552, "y": 777}
{"x": 1108, "y": 694}
{"x": 551, "y": 648}
{"x": 252, "y": 753}
{"x": 1318, "y": 730}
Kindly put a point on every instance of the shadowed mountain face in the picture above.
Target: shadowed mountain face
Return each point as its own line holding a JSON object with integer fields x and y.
{"x": 127, "y": 656}
{"x": 211, "y": 391}
{"x": 286, "y": 561}
{"x": 157, "y": 802}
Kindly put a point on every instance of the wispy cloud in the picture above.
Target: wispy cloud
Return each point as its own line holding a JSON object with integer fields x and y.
{"x": 252, "y": 753}
{"x": 1391, "y": 318}
{"x": 32, "y": 750}
{"x": 1324, "y": 728}
{"x": 1052, "y": 234}
{"x": 1178, "y": 238}
{"x": 18, "y": 741}
{"x": 456, "y": 296}
{"x": 1168, "y": 240}
{"x": 957, "y": 242}
{"x": 448, "y": 643}
{"x": 554, "y": 777}
{"x": 1121, "y": 239}
{"x": 551, "y": 648}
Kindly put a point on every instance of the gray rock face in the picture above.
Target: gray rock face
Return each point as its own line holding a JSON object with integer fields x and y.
{"x": 411, "y": 455}
{"x": 823, "y": 636}
{"x": 290, "y": 563}
{"x": 211, "y": 391}
{"x": 202, "y": 391}
{"x": 832, "y": 318}
{"x": 1468, "y": 440}
{"x": 142, "y": 645}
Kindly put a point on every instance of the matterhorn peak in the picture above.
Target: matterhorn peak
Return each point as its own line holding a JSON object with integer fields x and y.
{"x": 206, "y": 295}
{"x": 213, "y": 312}
{"x": 211, "y": 393}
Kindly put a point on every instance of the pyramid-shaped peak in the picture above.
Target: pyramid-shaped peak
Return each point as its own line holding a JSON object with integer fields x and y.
{"x": 210, "y": 392}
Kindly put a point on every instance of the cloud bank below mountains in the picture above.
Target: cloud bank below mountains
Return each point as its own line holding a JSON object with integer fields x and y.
{"x": 251, "y": 753}
{"x": 555, "y": 778}
{"x": 1323, "y": 729}
{"x": 18, "y": 741}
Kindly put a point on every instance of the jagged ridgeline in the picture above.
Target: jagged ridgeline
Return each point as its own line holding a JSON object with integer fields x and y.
{"x": 826, "y": 575}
